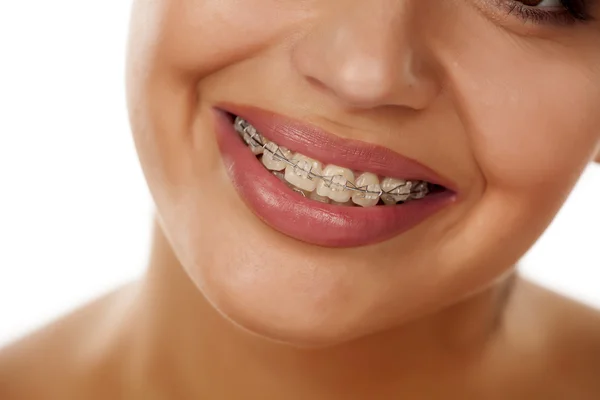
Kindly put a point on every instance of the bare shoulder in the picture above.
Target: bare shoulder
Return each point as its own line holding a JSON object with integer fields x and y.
{"x": 565, "y": 334}
{"x": 53, "y": 362}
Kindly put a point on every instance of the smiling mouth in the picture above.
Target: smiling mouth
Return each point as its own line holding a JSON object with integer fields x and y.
{"x": 322, "y": 189}
{"x": 330, "y": 183}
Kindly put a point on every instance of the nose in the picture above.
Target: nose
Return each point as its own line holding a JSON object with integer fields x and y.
{"x": 363, "y": 54}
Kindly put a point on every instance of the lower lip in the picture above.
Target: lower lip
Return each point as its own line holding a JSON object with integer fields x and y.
{"x": 307, "y": 220}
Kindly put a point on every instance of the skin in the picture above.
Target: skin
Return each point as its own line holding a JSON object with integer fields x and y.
{"x": 230, "y": 308}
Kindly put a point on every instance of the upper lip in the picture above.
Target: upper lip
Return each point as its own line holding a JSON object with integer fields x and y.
{"x": 328, "y": 148}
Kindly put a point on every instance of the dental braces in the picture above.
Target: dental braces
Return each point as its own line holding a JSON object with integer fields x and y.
{"x": 403, "y": 192}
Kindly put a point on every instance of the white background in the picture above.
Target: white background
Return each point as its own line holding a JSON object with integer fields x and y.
{"x": 75, "y": 214}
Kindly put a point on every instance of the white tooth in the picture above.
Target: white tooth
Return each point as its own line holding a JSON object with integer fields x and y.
{"x": 272, "y": 156}
{"x": 299, "y": 176}
{"x": 399, "y": 190}
{"x": 250, "y": 135}
{"x": 315, "y": 196}
{"x": 419, "y": 190}
{"x": 256, "y": 150}
{"x": 279, "y": 175}
{"x": 334, "y": 182}
{"x": 239, "y": 124}
{"x": 346, "y": 204}
{"x": 253, "y": 139}
{"x": 370, "y": 182}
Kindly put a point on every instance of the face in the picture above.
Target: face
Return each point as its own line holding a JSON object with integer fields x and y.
{"x": 492, "y": 103}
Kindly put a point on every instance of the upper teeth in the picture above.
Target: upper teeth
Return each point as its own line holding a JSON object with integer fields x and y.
{"x": 370, "y": 197}
{"x": 332, "y": 182}
{"x": 303, "y": 173}
{"x": 275, "y": 157}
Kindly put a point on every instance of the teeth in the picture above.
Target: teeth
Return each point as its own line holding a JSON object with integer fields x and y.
{"x": 315, "y": 196}
{"x": 239, "y": 124}
{"x": 274, "y": 155}
{"x": 397, "y": 190}
{"x": 251, "y": 136}
{"x": 419, "y": 190}
{"x": 299, "y": 174}
{"x": 370, "y": 182}
{"x": 253, "y": 139}
{"x": 281, "y": 177}
{"x": 333, "y": 183}
{"x": 348, "y": 203}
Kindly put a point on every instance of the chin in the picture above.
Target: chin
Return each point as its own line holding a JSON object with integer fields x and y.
{"x": 297, "y": 325}
{"x": 306, "y": 316}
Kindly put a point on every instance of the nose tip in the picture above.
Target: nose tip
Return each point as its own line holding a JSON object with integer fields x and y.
{"x": 362, "y": 83}
{"x": 369, "y": 84}
{"x": 366, "y": 62}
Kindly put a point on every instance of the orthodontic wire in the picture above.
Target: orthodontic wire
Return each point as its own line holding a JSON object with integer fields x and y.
{"x": 244, "y": 127}
{"x": 278, "y": 154}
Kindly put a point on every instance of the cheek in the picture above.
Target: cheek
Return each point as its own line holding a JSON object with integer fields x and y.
{"x": 197, "y": 37}
{"x": 531, "y": 144}
{"x": 530, "y": 128}
{"x": 524, "y": 134}
{"x": 174, "y": 45}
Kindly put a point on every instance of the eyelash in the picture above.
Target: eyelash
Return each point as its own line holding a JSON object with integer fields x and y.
{"x": 573, "y": 11}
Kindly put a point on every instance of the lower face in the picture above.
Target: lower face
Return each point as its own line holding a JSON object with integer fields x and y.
{"x": 329, "y": 169}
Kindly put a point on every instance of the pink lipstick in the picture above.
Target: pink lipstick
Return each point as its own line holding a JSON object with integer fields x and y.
{"x": 311, "y": 221}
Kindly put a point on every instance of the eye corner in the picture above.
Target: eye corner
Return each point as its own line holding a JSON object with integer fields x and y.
{"x": 541, "y": 12}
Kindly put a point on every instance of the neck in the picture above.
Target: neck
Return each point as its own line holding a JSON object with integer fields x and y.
{"x": 180, "y": 338}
